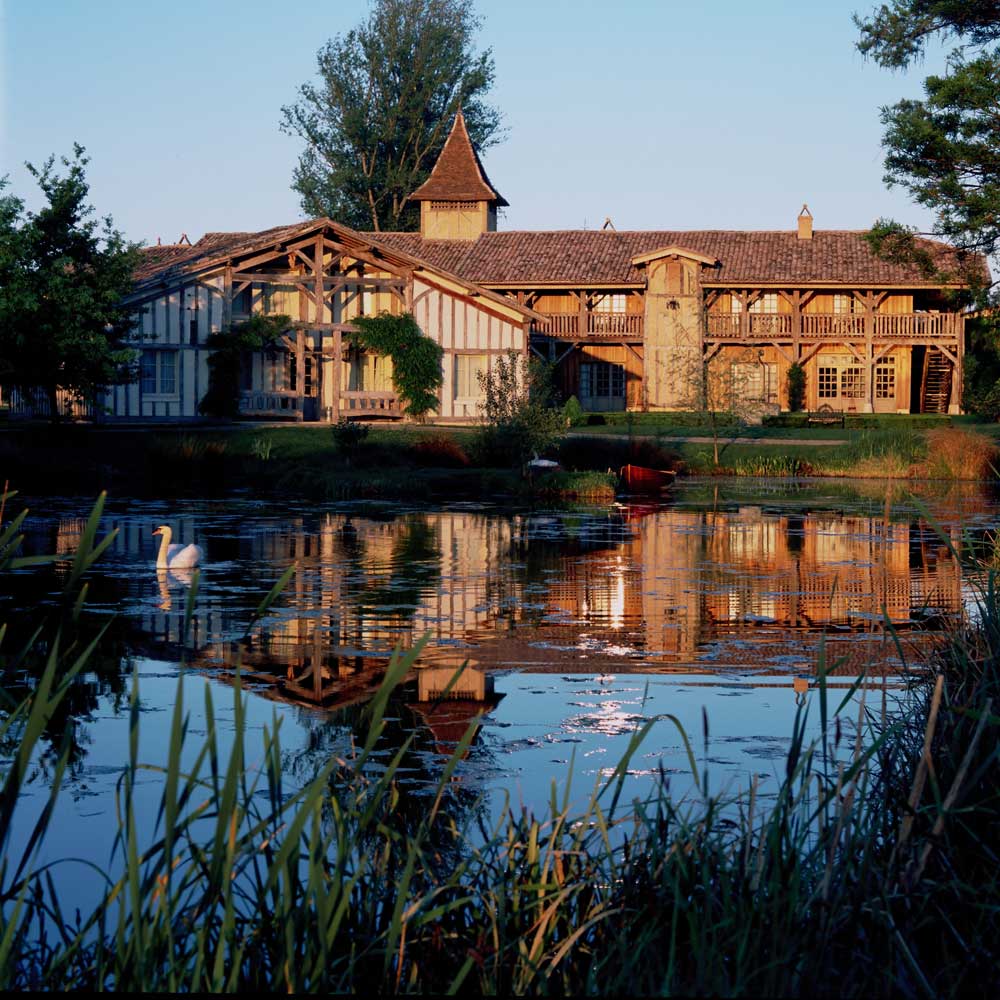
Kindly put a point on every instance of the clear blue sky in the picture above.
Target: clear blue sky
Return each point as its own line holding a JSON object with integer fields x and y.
{"x": 667, "y": 115}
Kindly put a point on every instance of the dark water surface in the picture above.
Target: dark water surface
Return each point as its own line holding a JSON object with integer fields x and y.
{"x": 577, "y": 626}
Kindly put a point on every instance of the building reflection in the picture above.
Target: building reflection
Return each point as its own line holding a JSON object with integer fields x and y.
{"x": 644, "y": 590}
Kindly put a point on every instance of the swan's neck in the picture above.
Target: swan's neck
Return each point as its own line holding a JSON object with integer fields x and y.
{"x": 161, "y": 558}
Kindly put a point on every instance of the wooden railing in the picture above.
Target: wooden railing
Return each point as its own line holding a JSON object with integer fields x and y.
{"x": 822, "y": 326}
{"x": 596, "y": 325}
{"x": 30, "y": 405}
{"x": 373, "y": 404}
{"x": 276, "y": 403}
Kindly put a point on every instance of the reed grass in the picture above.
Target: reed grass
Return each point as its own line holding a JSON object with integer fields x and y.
{"x": 871, "y": 872}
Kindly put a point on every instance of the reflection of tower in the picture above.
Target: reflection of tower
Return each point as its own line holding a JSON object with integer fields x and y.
{"x": 448, "y": 703}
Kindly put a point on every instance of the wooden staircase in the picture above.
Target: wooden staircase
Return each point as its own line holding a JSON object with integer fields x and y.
{"x": 935, "y": 386}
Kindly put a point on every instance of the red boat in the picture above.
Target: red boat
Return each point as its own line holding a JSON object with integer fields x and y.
{"x": 638, "y": 479}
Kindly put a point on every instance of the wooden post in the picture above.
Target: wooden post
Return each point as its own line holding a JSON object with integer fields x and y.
{"x": 744, "y": 315}
{"x": 869, "y": 406}
{"x": 583, "y": 315}
{"x": 227, "y": 297}
{"x": 338, "y": 355}
{"x": 318, "y": 318}
{"x": 796, "y": 323}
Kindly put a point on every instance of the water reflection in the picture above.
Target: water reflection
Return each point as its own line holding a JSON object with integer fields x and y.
{"x": 577, "y": 627}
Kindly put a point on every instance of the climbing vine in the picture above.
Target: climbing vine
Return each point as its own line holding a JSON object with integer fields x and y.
{"x": 416, "y": 359}
{"x": 229, "y": 353}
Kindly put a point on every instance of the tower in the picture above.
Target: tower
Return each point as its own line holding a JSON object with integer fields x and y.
{"x": 457, "y": 201}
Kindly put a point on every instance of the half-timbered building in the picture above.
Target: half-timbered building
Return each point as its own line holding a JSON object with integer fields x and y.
{"x": 323, "y": 276}
{"x": 629, "y": 318}
{"x": 625, "y": 317}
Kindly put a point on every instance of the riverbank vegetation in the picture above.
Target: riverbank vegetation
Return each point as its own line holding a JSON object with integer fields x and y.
{"x": 424, "y": 462}
{"x": 872, "y": 871}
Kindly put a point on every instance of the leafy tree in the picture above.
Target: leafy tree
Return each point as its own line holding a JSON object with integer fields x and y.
{"x": 519, "y": 416}
{"x": 230, "y": 354}
{"x": 416, "y": 359}
{"x": 63, "y": 275}
{"x": 378, "y": 117}
{"x": 942, "y": 149}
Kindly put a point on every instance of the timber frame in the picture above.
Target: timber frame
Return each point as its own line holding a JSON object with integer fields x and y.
{"x": 322, "y": 275}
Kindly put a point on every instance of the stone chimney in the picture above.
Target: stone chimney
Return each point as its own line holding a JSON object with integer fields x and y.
{"x": 805, "y": 224}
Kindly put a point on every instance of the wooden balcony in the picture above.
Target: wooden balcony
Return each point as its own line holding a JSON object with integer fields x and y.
{"x": 609, "y": 326}
{"x": 919, "y": 327}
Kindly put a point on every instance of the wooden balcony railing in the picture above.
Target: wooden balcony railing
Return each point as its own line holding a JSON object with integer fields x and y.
{"x": 612, "y": 325}
{"x": 823, "y": 326}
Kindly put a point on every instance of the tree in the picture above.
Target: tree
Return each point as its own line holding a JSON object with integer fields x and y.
{"x": 519, "y": 416}
{"x": 231, "y": 350}
{"x": 721, "y": 389}
{"x": 378, "y": 117}
{"x": 63, "y": 275}
{"x": 942, "y": 149}
{"x": 796, "y": 376}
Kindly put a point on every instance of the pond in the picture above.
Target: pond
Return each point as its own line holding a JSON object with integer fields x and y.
{"x": 707, "y": 612}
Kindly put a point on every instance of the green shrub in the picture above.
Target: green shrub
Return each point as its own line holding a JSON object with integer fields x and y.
{"x": 796, "y": 387}
{"x": 573, "y": 412}
{"x": 349, "y": 436}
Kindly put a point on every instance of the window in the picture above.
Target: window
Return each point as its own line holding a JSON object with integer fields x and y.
{"x": 885, "y": 378}
{"x": 826, "y": 382}
{"x": 601, "y": 378}
{"x": 840, "y": 376}
{"x": 243, "y": 301}
{"x": 467, "y": 367}
{"x": 310, "y": 374}
{"x": 158, "y": 373}
{"x": 767, "y": 303}
{"x": 610, "y": 304}
{"x": 756, "y": 381}
{"x": 843, "y": 304}
{"x": 852, "y": 383}
{"x": 369, "y": 373}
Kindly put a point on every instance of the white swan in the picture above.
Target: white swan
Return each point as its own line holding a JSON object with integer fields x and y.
{"x": 175, "y": 556}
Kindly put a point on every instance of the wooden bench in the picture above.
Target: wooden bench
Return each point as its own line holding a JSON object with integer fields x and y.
{"x": 826, "y": 416}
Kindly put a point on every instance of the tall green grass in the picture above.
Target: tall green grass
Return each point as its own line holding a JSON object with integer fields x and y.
{"x": 872, "y": 871}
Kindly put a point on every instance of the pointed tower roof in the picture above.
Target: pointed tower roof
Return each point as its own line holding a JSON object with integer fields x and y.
{"x": 458, "y": 175}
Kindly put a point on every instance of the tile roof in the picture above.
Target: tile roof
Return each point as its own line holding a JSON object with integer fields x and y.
{"x": 597, "y": 257}
{"x": 458, "y": 174}
{"x": 592, "y": 257}
{"x": 161, "y": 266}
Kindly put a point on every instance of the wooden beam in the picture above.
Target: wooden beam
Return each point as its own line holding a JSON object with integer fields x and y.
{"x": 809, "y": 355}
{"x": 953, "y": 358}
{"x": 628, "y": 347}
{"x": 262, "y": 258}
{"x": 360, "y": 255}
{"x": 788, "y": 357}
{"x": 565, "y": 354}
